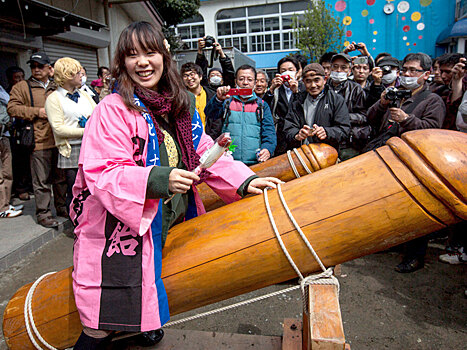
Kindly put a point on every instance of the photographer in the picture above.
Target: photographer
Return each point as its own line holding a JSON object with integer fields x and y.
{"x": 385, "y": 75}
{"x": 362, "y": 66}
{"x": 423, "y": 110}
{"x": 226, "y": 74}
{"x": 452, "y": 71}
{"x": 354, "y": 97}
{"x": 363, "y": 51}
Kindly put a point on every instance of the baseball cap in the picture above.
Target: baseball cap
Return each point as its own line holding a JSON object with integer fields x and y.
{"x": 341, "y": 55}
{"x": 39, "y": 57}
{"x": 314, "y": 67}
{"x": 389, "y": 61}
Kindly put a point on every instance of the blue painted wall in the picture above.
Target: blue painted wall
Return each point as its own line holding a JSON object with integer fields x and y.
{"x": 403, "y": 31}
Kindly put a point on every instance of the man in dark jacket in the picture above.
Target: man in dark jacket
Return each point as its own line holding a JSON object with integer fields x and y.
{"x": 385, "y": 75}
{"x": 317, "y": 114}
{"x": 280, "y": 94}
{"x": 423, "y": 110}
{"x": 354, "y": 97}
{"x": 217, "y": 76}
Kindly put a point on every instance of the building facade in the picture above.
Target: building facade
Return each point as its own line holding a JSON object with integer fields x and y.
{"x": 263, "y": 29}
{"x": 86, "y": 30}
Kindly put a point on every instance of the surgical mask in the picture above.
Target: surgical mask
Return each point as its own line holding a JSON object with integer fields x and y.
{"x": 410, "y": 83}
{"x": 389, "y": 78}
{"x": 83, "y": 80}
{"x": 215, "y": 80}
{"x": 338, "y": 77}
{"x": 290, "y": 73}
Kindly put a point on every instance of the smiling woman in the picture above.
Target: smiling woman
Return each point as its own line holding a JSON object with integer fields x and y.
{"x": 140, "y": 146}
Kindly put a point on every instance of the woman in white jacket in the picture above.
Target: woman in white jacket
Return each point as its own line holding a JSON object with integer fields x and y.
{"x": 68, "y": 109}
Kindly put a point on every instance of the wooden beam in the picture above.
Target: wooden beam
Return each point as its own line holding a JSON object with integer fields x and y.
{"x": 322, "y": 328}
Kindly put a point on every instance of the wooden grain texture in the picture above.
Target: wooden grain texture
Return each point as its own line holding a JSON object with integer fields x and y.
{"x": 316, "y": 156}
{"x": 324, "y": 322}
{"x": 358, "y": 207}
{"x": 292, "y": 334}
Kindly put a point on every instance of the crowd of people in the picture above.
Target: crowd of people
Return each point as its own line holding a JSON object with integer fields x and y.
{"x": 86, "y": 145}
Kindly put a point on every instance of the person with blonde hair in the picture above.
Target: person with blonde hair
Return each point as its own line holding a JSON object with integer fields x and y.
{"x": 68, "y": 110}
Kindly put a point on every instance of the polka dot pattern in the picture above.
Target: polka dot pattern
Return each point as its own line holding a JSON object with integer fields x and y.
{"x": 340, "y": 6}
{"x": 403, "y": 6}
{"x": 406, "y": 28}
{"x": 375, "y": 33}
{"x": 416, "y": 16}
{"x": 365, "y": 13}
{"x": 370, "y": 2}
{"x": 348, "y": 33}
{"x": 372, "y": 21}
{"x": 347, "y": 20}
{"x": 421, "y": 26}
{"x": 425, "y": 3}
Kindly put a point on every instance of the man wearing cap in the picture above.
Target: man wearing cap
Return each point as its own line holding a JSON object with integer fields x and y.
{"x": 317, "y": 114}
{"x": 354, "y": 97}
{"x": 385, "y": 75}
{"x": 27, "y": 102}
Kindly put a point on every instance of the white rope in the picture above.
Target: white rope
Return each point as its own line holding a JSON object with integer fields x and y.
{"x": 232, "y": 306}
{"x": 29, "y": 319}
{"x": 300, "y": 159}
{"x": 292, "y": 164}
{"x": 325, "y": 277}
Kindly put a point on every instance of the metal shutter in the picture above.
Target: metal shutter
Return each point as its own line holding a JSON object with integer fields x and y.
{"x": 85, "y": 55}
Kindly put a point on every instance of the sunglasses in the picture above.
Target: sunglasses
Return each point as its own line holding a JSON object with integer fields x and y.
{"x": 40, "y": 66}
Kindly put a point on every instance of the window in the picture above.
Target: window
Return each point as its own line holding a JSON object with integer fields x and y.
{"x": 190, "y": 31}
{"x": 259, "y": 28}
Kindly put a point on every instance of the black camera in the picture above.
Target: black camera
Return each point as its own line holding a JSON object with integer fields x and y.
{"x": 358, "y": 47}
{"x": 386, "y": 69}
{"x": 209, "y": 41}
{"x": 396, "y": 96}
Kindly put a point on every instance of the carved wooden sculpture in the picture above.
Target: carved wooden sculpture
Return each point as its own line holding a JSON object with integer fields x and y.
{"x": 316, "y": 156}
{"x": 413, "y": 186}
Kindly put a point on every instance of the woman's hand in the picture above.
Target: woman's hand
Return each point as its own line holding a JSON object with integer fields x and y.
{"x": 180, "y": 181}
{"x": 259, "y": 183}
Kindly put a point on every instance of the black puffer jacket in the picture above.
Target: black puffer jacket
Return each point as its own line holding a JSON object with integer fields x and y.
{"x": 331, "y": 113}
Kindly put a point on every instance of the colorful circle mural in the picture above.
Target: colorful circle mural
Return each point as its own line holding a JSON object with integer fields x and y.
{"x": 403, "y": 6}
{"x": 416, "y": 16}
{"x": 372, "y": 21}
{"x": 346, "y": 43}
{"x": 425, "y": 2}
{"x": 340, "y": 6}
{"x": 349, "y": 33}
{"x": 370, "y": 2}
{"x": 421, "y": 26}
{"x": 365, "y": 13}
{"x": 347, "y": 20}
{"x": 405, "y": 28}
{"x": 375, "y": 33}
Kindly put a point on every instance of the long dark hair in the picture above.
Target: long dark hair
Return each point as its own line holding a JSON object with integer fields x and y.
{"x": 151, "y": 39}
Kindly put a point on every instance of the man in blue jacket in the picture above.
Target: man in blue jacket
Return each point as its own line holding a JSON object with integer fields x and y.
{"x": 247, "y": 118}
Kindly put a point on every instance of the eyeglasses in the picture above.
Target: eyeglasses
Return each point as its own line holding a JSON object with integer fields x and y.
{"x": 189, "y": 75}
{"x": 411, "y": 70}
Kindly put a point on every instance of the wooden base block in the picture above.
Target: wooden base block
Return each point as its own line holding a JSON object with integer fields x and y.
{"x": 322, "y": 328}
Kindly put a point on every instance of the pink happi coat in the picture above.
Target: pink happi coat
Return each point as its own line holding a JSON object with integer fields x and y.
{"x": 113, "y": 277}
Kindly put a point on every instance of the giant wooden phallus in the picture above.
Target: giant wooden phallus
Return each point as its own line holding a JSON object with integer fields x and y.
{"x": 315, "y": 156}
{"x": 406, "y": 189}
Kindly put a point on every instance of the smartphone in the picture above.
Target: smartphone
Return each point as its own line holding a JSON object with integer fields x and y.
{"x": 236, "y": 92}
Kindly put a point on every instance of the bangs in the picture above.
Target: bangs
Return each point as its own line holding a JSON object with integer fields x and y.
{"x": 143, "y": 35}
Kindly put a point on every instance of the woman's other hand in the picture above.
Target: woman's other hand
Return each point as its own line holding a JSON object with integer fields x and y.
{"x": 180, "y": 181}
{"x": 257, "y": 185}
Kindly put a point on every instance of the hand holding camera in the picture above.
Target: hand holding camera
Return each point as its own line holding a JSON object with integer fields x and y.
{"x": 393, "y": 97}
{"x": 377, "y": 74}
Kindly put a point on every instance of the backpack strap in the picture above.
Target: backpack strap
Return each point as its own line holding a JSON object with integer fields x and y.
{"x": 226, "y": 115}
{"x": 30, "y": 93}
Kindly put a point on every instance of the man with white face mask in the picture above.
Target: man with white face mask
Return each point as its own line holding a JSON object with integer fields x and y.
{"x": 423, "y": 110}
{"x": 354, "y": 97}
{"x": 91, "y": 92}
{"x": 385, "y": 75}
